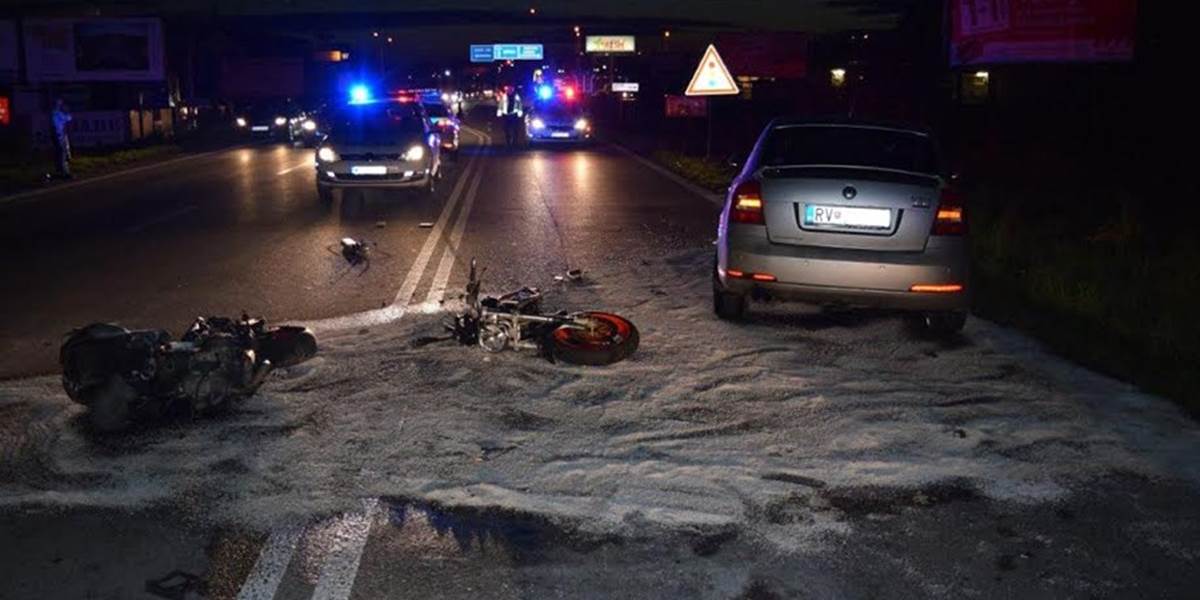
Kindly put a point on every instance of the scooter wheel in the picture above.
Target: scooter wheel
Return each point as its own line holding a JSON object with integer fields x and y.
{"x": 608, "y": 339}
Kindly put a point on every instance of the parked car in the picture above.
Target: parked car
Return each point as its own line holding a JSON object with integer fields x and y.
{"x": 845, "y": 213}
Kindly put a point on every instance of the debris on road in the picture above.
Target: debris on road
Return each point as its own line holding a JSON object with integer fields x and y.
{"x": 425, "y": 225}
{"x": 121, "y": 374}
{"x": 380, "y": 224}
{"x": 356, "y": 252}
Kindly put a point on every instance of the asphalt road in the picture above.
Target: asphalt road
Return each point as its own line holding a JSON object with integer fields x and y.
{"x": 243, "y": 230}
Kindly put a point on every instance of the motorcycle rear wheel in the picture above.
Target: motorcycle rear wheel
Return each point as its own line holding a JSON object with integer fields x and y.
{"x": 610, "y": 339}
{"x": 110, "y": 405}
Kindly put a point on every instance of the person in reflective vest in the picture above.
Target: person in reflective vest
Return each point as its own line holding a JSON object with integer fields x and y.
{"x": 509, "y": 107}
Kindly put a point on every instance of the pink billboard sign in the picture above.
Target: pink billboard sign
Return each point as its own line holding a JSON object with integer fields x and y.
{"x": 1012, "y": 31}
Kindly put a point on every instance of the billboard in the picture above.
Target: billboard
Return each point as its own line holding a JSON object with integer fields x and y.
{"x": 1013, "y": 31}
{"x": 776, "y": 55}
{"x": 611, "y": 44}
{"x": 681, "y": 107}
{"x": 69, "y": 50}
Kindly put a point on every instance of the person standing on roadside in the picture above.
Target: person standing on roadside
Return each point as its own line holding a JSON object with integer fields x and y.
{"x": 59, "y": 118}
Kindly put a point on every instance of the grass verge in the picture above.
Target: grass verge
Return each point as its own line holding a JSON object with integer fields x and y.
{"x": 17, "y": 173}
{"x": 708, "y": 174}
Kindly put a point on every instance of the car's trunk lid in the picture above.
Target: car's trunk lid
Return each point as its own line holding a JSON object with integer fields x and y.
{"x": 852, "y": 208}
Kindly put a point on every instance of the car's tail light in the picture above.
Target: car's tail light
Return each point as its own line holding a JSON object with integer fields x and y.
{"x": 936, "y": 288}
{"x": 951, "y": 218}
{"x": 747, "y": 204}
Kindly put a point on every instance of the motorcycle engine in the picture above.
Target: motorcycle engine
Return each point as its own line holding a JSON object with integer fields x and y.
{"x": 219, "y": 371}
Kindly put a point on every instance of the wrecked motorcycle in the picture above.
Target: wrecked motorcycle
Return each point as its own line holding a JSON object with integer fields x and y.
{"x": 515, "y": 321}
{"x": 121, "y": 374}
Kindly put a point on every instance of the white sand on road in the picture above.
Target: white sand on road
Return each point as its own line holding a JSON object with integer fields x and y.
{"x": 709, "y": 424}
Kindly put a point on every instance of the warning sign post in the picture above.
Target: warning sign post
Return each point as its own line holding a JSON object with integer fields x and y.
{"x": 712, "y": 78}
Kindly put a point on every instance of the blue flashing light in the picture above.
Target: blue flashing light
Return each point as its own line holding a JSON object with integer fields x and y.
{"x": 545, "y": 92}
{"x": 360, "y": 94}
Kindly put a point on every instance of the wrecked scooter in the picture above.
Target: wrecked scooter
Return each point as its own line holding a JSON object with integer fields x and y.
{"x": 515, "y": 321}
{"x": 120, "y": 374}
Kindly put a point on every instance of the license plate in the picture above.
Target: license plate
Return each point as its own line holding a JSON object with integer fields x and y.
{"x": 368, "y": 170}
{"x": 850, "y": 217}
{"x": 560, "y": 134}
{"x": 259, "y": 128}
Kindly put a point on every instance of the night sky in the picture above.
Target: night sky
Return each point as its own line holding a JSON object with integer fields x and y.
{"x": 799, "y": 15}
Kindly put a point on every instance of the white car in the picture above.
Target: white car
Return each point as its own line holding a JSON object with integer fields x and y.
{"x": 378, "y": 145}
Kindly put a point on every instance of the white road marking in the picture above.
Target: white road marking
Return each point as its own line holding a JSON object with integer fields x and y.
{"x": 307, "y": 163}
{"x": 712, "y": 197}
{"x": 399, "y": 305}
{"x": 81, "y": 182}
{"x": 265, "y": 577}
{"x": 341, "y": 566}
{"x": 405, "y": 295}
{"x": 437, "y": 291}
{"x": 163, "y": 218}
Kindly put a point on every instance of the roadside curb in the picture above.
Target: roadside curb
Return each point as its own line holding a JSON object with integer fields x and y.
{"x": 712, "y": 197}
{"x": 28, "y": 194}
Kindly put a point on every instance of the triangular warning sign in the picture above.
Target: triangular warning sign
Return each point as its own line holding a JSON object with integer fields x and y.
{"x": 712, "y": 78}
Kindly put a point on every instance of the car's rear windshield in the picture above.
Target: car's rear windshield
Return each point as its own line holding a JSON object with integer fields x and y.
{"x": 376, "y": 125}
{"x": 869, "y": 147}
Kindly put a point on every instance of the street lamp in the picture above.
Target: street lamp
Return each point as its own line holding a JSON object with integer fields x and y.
{"x": 532, "y": 10}
{"x": 576, "y": 31}
{"x": 667, "y": 33}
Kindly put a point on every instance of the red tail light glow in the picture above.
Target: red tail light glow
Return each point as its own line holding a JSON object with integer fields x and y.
{"x": 948, "y": 288}
{"x": 951, "y": 216}
{"x": 747, "y": 204}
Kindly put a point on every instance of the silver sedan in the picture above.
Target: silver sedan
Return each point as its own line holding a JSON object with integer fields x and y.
{"x": 844, "y": 213}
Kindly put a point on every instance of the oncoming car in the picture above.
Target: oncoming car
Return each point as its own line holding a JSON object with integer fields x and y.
{"x": 381, "y": 145}
{"x": 304, "y": 129}
{"x": 557, "y": 122}
{"x": 844, "y": 213}
{"x": 264, "y": 121}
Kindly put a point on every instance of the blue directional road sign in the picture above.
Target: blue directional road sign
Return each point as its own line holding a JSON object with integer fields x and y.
{"x": 493, "y": 52}
{"x": 483, "y": 53}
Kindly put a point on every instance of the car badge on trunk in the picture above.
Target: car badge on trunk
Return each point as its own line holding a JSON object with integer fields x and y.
{"x": 849, "y": 192}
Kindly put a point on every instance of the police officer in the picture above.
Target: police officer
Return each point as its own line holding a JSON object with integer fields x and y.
{"x": 510, "y": 109}
{"x": 59, "y": 118}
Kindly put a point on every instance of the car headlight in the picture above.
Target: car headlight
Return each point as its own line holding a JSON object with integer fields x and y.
{"x": 581, "y": 125}
{"x": 414, "y": 154}
{"x": 326, "y": 154}
{"x": 537, "y": 124}
{"x": 309, "y": 125}
{"x": 280, "y": 121}
{"x": 241, "y": 122}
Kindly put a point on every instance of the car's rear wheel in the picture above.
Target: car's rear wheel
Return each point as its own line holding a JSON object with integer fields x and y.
{"x": 728, "y": 306}
{"x": 945, "y": 323}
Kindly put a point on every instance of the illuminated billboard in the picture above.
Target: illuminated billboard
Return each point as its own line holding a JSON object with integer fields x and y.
{"x": 611, "y": 44}
{"x": 1013, "y": 31}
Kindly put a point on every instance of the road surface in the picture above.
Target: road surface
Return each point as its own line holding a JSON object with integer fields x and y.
{"x": 824, "y": 455}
